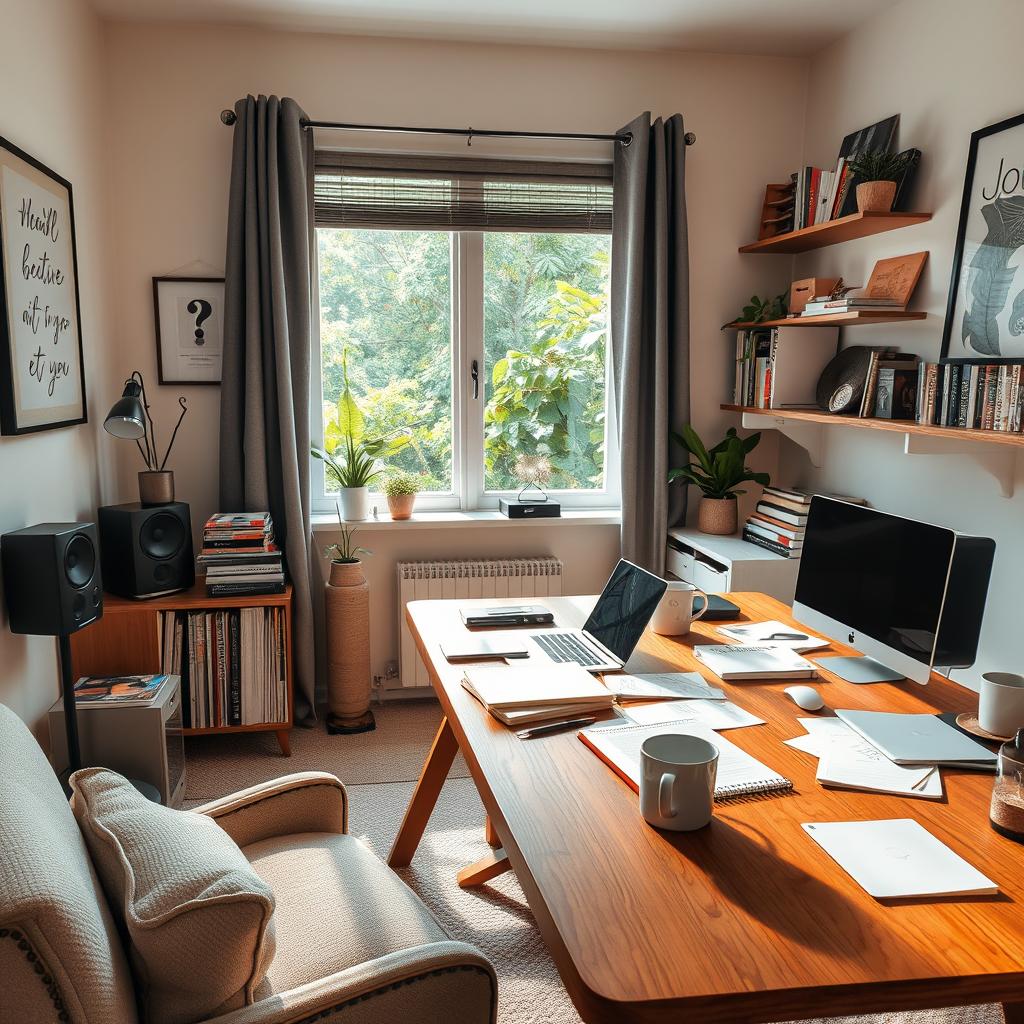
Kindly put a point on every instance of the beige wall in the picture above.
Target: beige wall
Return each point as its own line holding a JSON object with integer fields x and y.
{"x": 948, "y": 68}
{"x": 168, "y": 170}
{"x": 50, "y": 77}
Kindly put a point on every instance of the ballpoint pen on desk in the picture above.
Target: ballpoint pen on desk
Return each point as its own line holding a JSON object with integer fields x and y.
{"x": 551, "y": 727}
{"x": 788, "y": 636}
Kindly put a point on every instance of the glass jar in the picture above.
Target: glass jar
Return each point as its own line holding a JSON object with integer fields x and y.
{"x": 1007, "y": 813}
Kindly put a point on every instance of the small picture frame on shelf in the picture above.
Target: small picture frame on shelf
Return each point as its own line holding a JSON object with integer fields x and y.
{"x": 985, "y": 309}
{"x": 189, "y": 316}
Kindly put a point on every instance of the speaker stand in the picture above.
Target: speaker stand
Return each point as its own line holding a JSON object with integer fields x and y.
{"x": 67, "y": 685}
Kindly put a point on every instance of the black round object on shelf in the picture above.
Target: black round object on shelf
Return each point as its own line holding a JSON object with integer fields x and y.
{"x": 841, "y": 384}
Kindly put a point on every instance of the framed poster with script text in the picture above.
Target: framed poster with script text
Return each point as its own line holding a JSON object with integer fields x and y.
{"x": 42, "y": 377}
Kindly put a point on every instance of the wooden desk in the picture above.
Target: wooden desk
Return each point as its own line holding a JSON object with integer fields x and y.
{"x": 747, "y": 920}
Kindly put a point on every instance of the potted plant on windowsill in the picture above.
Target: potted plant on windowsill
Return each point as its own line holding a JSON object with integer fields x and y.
{"x": 718, "y": 472}
{"x": 401, "y": 488}
{"x": 351, "y": 459}
{"x": 347, "y": 614}
{"x": 878, "y": 171}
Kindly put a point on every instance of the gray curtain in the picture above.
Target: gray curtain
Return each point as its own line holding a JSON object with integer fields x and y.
{"x": 650, "y": 333}
{"x": 269, "y": 305}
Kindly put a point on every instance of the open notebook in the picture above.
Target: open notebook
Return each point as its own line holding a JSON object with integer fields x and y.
{"x": 739, "y": 774}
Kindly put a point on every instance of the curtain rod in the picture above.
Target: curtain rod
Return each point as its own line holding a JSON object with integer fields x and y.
{"x": 229, "y": 117}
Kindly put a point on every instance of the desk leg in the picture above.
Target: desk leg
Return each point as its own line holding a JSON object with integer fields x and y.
{"x": 435, "y": 771}
{"x": 490, "y": 836}
{"x": 1013, "y": 1013}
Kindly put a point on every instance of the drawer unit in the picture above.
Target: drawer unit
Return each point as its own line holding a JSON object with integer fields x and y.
{"x": 720, "y": 564}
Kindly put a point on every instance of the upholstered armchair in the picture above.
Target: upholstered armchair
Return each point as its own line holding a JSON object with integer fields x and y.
{"x": 354, "y": 945}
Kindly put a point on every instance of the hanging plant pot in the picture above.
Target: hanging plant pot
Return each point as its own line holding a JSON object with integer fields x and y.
{"x": 354, "y": 503}
{"x": 876, "y": 196}
{"x": 347, "y": 612}
{"x": 717, "y": 516}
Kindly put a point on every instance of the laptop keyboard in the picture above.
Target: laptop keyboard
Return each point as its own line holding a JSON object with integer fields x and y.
{"x": 564, "y": 647}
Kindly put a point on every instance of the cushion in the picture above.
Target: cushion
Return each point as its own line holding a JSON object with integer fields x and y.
{"x": 372, "y": 912}
{"x": 197, "y": 919}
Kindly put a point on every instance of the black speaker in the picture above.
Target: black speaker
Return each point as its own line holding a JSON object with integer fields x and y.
{"x": 52, "y": 578}
{"x": 146, "y": 550}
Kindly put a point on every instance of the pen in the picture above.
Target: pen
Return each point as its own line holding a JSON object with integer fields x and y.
{"x": 543, "y": 730}
{"x": 788, "y": 636}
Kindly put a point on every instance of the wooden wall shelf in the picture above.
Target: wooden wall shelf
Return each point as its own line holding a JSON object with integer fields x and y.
{"x": 127, "y": 640}
{"x": 859, "y": 317}
{"x": 997, "y": 450}
{"x": 842, "y": 229}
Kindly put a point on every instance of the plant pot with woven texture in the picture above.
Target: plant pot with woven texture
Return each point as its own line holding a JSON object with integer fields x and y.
{"x": 347, "y": 612}
{"x": 717, "y": 516}
{"x": 876, "y": 196}
{"x": 400, "y": 505}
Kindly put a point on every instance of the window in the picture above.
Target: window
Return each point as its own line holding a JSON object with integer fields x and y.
{"x": 468, "y": 307}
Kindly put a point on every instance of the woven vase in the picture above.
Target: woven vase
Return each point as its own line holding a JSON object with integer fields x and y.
{"x": 717, "y": 516}
{"x": 876, "y": 196}
{"x": 347, "y": 611}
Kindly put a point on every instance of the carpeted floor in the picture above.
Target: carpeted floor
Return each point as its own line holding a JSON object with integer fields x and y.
{"x": 379, "y": 770}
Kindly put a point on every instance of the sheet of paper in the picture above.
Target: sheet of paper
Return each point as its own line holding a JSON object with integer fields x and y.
{"x": 855, "y": 764}
{"x": 761, "y": 633}
{"x": 833, "y": 728}
{"x": 713, "y": 714}
{"x": 808, "y": 744}
{"x": 662, "y": 686}
{"x": 898, "y": 857}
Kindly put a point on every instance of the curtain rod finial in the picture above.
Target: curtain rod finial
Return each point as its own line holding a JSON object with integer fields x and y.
{"x": 689, "y": 138}
{"x": 228, "y": 117}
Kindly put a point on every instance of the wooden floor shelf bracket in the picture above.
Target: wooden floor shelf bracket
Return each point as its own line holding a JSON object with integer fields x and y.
{"x": 998, "y": 460}
{"x": 809, "y": 436}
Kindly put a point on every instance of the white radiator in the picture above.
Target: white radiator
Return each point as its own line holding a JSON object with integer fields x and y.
{"x": 492, "y": 577}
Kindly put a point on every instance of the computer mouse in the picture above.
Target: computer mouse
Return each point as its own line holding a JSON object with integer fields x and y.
{"x": 806, "y": 697}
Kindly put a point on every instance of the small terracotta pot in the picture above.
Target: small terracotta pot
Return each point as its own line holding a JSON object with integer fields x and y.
{"x": 876, "y": 196}
{"x": 156, "y": 487}
{"x": 400, "y": 506}
{"x": 717, "y": 516}
{"x": 347, "y": 611}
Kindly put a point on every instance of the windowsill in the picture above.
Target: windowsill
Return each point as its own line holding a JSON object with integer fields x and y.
{"x": 454, "y": 520}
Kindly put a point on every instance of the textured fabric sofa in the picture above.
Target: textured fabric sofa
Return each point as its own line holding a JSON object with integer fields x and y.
{"x": 354, "y": 944}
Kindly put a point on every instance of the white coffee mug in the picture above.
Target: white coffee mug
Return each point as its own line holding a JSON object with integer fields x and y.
{"x": 1001, "y": 703}
{"x": 677, "y": 781}
{"x": 675, "y": 613}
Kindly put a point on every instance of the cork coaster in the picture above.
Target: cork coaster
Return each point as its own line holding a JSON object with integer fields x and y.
{"x": 968, "y": 721}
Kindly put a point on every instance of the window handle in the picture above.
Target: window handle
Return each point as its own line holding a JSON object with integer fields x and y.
{"x": 474, "y": 373}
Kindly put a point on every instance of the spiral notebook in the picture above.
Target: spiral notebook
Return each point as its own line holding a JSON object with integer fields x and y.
{"x": 739, "y": 774}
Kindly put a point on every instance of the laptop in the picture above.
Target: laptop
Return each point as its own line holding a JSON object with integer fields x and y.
{"x": 917, "y": 739}
{"x": 614, "y": 628}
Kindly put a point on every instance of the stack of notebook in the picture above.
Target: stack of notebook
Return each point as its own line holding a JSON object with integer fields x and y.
{"x": 518, "y": 696}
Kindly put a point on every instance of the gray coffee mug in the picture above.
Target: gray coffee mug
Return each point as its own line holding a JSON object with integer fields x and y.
{"x": 677, "y": 781}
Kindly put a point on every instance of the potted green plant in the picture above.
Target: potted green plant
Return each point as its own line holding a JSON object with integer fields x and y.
{"x": 718, "y": 472}
{"x": 878, "y": 171}
{"x": 351, "y": 459}
{"x": 347, "y": 616}
{"x": 401, "y": 488}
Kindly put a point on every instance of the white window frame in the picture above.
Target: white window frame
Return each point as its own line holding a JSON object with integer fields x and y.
{"x": 467, "y": 325}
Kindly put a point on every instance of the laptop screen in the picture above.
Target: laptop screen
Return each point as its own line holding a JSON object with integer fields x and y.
{"x": 624, "y": 608}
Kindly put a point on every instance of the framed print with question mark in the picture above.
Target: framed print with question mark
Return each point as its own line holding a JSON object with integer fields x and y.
{"x": 189, "y": 315}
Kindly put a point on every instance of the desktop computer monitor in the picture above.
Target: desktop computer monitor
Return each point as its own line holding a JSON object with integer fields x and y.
{"x": 907, "y": 595}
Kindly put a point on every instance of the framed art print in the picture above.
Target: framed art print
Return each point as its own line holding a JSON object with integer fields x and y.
{"x": 189, "y": 315}
{"x": 42, "y": 379}
{"x": 985, "y": 310}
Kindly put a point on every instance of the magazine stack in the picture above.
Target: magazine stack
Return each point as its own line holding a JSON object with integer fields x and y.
{"x": 239, "y": 555}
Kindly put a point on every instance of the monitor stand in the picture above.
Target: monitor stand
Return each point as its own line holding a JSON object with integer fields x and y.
{"x": 861, "y": 670}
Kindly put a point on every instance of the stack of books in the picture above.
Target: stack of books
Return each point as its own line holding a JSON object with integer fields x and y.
{"x": 825, "y": 306}
{"x": 980, "y": 396}
{"x": 517, "y": 696}
{"x": 239, "y": 555}
{"x": 779, "y": 521}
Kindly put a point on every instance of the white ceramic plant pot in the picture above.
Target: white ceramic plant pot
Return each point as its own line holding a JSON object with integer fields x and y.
{"x": 354, "y": 501}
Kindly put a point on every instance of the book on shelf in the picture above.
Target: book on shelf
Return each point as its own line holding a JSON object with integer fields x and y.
{"x": 232, "y": 665}
{"x": 975, "y": 396}
{"x": 240, "y": 556}
{"x": 779, "y": 367}
{"x": 777, "y": 509}
{"x": 769, "y": 545}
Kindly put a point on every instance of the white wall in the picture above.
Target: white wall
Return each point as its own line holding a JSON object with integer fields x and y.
{"x": 168, "y": 179}
{"x": 50, "y": 75}
{"x": 948, "y": 68}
